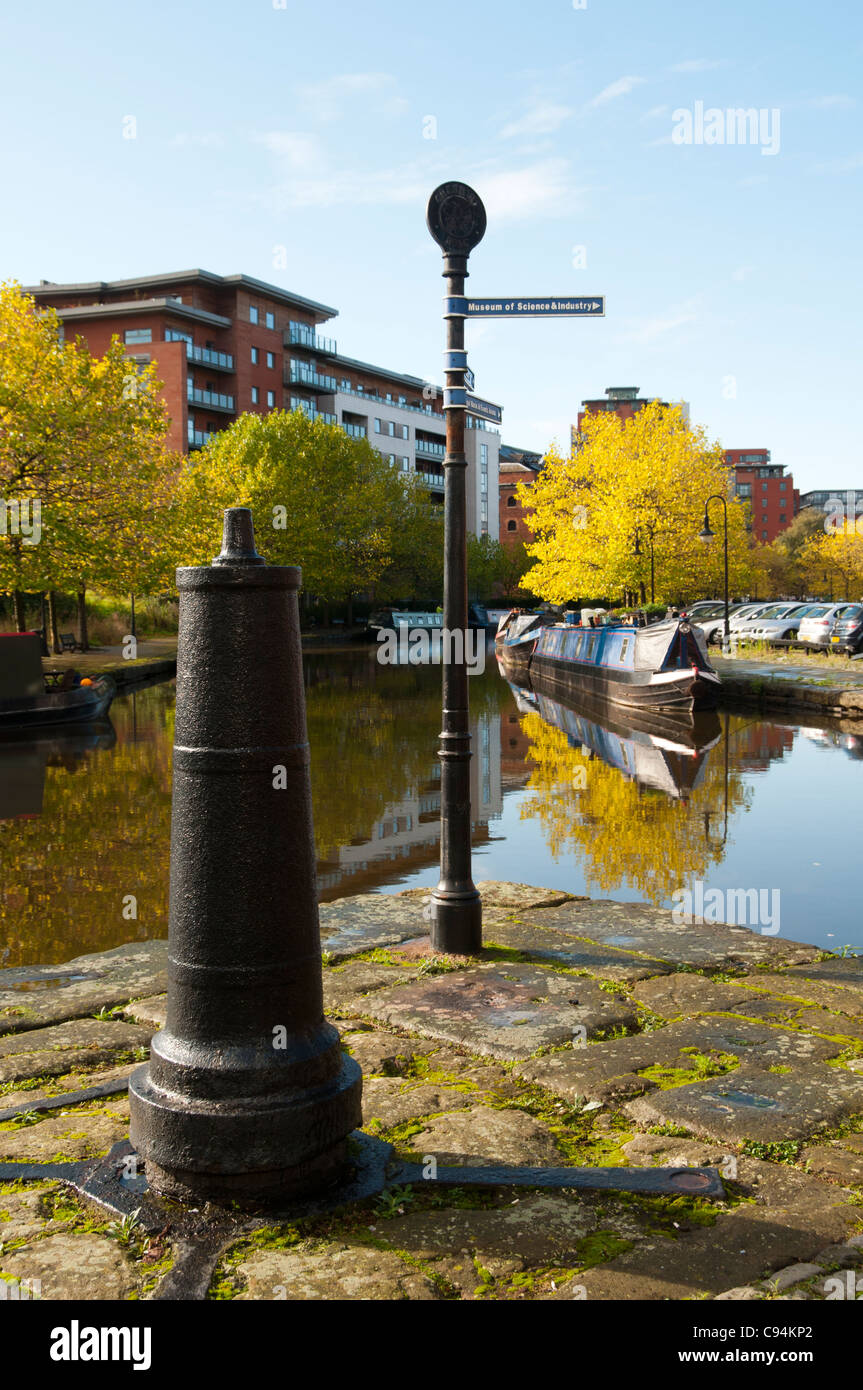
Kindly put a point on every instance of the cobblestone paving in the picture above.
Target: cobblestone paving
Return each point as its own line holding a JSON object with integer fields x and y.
{"x": 590, "y": 1034}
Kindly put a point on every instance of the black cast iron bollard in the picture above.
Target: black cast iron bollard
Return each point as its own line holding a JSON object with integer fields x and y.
{"x": 247, "y": 1092}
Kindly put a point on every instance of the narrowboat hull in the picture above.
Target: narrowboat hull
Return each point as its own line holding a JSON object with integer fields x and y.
{"x": 80, "y": 705}
{"x": 671, "y": 690}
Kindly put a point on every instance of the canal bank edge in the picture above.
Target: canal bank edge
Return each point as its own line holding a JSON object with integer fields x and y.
{"x": 705, "y": 1043}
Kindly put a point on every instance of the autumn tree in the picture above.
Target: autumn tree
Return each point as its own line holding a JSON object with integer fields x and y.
{"x": 82, "y": 445}
{"x": 650, "y": 473}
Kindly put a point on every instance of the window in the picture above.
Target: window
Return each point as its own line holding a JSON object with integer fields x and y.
{"x": 483, "y": 455}
{"x": 782, "y": 517}
{"x": 271, "y": 361}
{"x": 483, "y": 510}
{"x": 406, "y": 434}
{"x": 391, "y": 429}
{"x": 173, "y": 335}
{"x": 271, "y": 320}
{"x": 345, "y": 383}
{"x": 377, "y": 426}
{"x": 624, "y": 648}
{"x": 254, "y": 357}
{"x": 392, "y": 459}
{"x": 744, "y": 489}
{"x": 511, "y": 502}
{"x": 389, "y": 395}
{"x": 403, "y": 400}
{"x": 254, "y": 395}
{"x": 510, "y": 526}
{"x": 406, "y": 464}
{"x": 271, "y": 399}
{"x": 783, "y": 484}
{"x": 253, "y": 314}
{"x": 138, "y": 335}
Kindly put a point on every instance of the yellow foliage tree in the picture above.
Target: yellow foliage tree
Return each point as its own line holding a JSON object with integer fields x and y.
{"x": 650, "y": 473}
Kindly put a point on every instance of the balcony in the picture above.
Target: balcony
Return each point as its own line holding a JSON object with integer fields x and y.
{"x": 299, "y": 374}
{"x": 430, "y": 449}
{"x": 355, "y": 431}
{"x": 213, "y": 400}
{"x": 207, "y": 357}
{"x": 433, "y": 480}
{"x": 311, "y": 413}
{"x": 198, "y": 438}
{"x": 372, "y": 399}
{"x": 302, "y": 335}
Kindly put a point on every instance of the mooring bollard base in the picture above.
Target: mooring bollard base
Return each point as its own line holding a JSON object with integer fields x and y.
{"x": 268, "y": 1188}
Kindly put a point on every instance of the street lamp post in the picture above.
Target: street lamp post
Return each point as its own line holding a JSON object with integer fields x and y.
{"x": 706, "y": 535}
{"x": 637, "y": 551}
{"x": 456, "y": 219}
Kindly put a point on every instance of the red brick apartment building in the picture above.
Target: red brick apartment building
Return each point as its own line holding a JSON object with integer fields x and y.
{"x": 224, "y": 345}
{"x": 770, "y": 491}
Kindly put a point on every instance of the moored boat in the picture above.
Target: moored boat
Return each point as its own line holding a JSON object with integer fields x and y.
{"x": 516, "y": 638}
{"x": 29, "y": 699}
{"x": 662, "y": 666}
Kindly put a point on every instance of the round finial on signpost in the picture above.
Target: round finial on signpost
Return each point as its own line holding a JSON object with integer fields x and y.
{"x": 456, "y": 218}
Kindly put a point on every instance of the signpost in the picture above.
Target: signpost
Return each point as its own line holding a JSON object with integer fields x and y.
{"x": 592, "y": 307}
{"x": 457, "y": 221}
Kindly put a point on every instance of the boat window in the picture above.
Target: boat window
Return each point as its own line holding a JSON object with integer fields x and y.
{"x": 624, "y": 648}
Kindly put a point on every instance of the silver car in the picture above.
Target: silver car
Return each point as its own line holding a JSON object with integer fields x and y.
{"x": 816, "y": 628}
{"x": 713, "y": 626}
{"x": 778, "y": 622}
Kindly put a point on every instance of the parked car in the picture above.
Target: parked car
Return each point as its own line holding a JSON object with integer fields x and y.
{"x": 818, "y": 629}
{"x": 778, "y": 622}
{"x": 713, "y": 624}
{"x": 847, "y": 634}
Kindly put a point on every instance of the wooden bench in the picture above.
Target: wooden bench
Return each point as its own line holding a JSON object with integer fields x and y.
{"x": 69, "y": 642}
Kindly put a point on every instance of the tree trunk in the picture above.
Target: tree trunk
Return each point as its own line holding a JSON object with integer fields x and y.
{"x": 52, "y": 623}
{"x": 643, "y": 594}
{"x": 327, "y": 613}
{"x": 18, "y": 610}
{"x": 82, "y": 620}
{"x": 349, "y": 617}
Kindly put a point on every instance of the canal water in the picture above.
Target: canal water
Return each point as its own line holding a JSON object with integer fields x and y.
{"x": 560, "y": 799}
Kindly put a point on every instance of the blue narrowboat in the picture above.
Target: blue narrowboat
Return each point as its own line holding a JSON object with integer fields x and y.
{"x": 663, "y": 666}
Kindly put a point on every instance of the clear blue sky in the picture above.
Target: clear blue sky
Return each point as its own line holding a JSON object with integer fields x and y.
{"x": 260, "y": 127}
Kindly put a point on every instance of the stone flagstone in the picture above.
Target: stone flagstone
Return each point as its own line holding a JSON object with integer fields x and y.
{"x": 52, "y": 1051}
{"x": 33, "y": 996}
{"x": 753, "y": 1104}
{"x": 556, "y": 948}
{"x": 609, "y": 1070}
{"x": 367, "y": 920}
{"x": 502, "y": 1011}
{"x": 652, "y": 932}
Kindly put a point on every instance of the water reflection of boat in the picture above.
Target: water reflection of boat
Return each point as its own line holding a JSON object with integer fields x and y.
{"x": 663, "y": 754}
{"x": 24, "y": 757}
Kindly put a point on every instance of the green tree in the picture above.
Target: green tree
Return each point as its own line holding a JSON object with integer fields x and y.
{"x": 320, "y": 499}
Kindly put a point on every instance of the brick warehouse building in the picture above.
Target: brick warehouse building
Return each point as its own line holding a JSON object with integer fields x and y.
{"x": 516, "y": 466}
{"x": 770, "y": 491}
{"x": 226, "y": 344}
{"x": 623, "y": 401}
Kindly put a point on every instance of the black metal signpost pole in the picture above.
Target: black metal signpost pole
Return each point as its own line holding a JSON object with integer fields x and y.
{"x": 456, "y": 220}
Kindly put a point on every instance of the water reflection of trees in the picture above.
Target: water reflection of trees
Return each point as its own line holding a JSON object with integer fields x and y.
{"x": 104, "y": 831}
{"x": 624, "y": 834}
